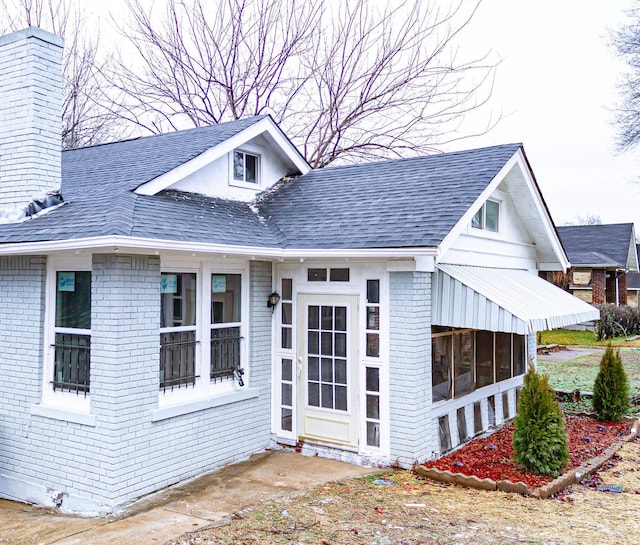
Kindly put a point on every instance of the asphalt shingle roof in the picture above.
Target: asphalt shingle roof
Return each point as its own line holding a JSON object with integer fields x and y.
{"x": 98, "y": 184}
{"x": 400, "y": 203}
{"x": 606, "y": 245}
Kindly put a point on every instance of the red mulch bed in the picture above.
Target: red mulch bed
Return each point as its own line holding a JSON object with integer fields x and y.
{"x": 492, "y": 457}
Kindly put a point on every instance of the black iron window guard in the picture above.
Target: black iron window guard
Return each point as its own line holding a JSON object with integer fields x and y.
{"x": 177, "y": 360}
{"x": 225, "y": 355}
{"x": 72, "y": 363}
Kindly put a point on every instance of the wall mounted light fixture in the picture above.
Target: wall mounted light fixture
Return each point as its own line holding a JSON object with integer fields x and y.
{"x": 273, "y": 300}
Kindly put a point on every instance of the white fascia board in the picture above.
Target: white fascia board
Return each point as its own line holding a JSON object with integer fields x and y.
{"x": 632, "y": 260}
{"x": 185, "y": 169}
{"x": 119, "y": 243}
{"x": 612, "y": 266}
{"x": 465, "y": 220}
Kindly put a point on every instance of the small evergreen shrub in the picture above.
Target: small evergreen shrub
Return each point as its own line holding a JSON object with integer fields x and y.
{"x": 611, "y": 388}
{"x": 540, "y": 441}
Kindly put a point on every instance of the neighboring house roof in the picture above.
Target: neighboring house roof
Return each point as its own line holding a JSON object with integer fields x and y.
{"x": 411, "y": 202}
{"x": 609, "y": 245}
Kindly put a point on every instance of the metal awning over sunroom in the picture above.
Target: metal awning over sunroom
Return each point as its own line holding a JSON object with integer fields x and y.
{"x": 512, "y": 301}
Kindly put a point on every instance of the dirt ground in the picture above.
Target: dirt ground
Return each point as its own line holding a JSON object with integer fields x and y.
{"x": 402, "y": 509}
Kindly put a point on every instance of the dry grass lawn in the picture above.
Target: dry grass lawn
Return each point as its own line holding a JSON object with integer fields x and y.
{"x": 413, "y": 511}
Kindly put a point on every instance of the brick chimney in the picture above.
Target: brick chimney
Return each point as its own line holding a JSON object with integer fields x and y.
{"x": 30, "y": 117}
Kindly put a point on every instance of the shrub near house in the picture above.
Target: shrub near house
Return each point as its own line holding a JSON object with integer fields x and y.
{"x": 616, "y": 321}
{"x": 540, "y": 437}
{"x": 611, "y": 388}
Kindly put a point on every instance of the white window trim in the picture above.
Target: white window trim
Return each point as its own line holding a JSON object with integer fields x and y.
{"x": 60, "y": 403}
{"x": 193, "y": 398}
{"x": 241, "y": 183}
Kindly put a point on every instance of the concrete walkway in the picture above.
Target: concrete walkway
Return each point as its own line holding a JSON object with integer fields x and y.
{"x": 202, "y": 502}
{"x": 570, "y": 352}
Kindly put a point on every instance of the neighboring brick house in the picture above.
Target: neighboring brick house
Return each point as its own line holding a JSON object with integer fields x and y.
{"x": 195, "y": 297}
{"x": 601, "y": 258}
{"x": 633, "y": 286}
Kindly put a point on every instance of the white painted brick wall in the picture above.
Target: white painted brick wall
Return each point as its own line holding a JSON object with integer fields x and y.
{"x": 30, "y": 115}
{"x": 125, "y": 455}
{"x": 413, "y": 435}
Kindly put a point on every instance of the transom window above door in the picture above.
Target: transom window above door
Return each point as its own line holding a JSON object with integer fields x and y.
{"x": 333, "y": 275}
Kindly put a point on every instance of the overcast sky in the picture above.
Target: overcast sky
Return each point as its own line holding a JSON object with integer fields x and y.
{"x": 556, "y": 87}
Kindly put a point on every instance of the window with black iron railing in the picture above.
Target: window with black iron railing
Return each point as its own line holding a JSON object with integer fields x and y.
{"x": 72, "y": 363}
{"x": 177, "y": 359}
{"x": 225, "y": 353}
{"x": 72, "y": 332}
{"x": 226, "y": 336}
{"x": 178, "y": 331}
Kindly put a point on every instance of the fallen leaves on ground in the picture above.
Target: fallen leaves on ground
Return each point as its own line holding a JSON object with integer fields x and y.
{"x": 491, "y": 457}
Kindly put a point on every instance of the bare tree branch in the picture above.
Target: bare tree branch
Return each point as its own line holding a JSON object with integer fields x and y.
{"x": 345, "y": 80}
{"x": 207, "y": 62}
{"x": 626, "y": 41}
{"x": 389, "y": 83}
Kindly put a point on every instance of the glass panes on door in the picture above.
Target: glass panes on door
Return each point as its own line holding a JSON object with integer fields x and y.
{"x": 327, "y": 357}
{"x": 286, "y": 394}
{"x": 372, "y": 385}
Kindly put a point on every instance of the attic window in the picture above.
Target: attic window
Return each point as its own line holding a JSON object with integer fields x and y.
{"x": 245, "y": 167}
{"x": 487, "y": 217}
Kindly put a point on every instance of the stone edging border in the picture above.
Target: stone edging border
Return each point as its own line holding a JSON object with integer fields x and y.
{"x": 567, "y": 479}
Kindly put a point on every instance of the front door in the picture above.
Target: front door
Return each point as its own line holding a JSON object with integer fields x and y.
{"x": 327, "y": 367}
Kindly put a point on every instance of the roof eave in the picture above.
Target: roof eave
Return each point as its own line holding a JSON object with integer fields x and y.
{"x": 138, "y": 244}
{"x": 598, "y": 266}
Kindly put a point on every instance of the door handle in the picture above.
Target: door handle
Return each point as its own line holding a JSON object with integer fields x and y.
{"x": 299, "y": 367}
